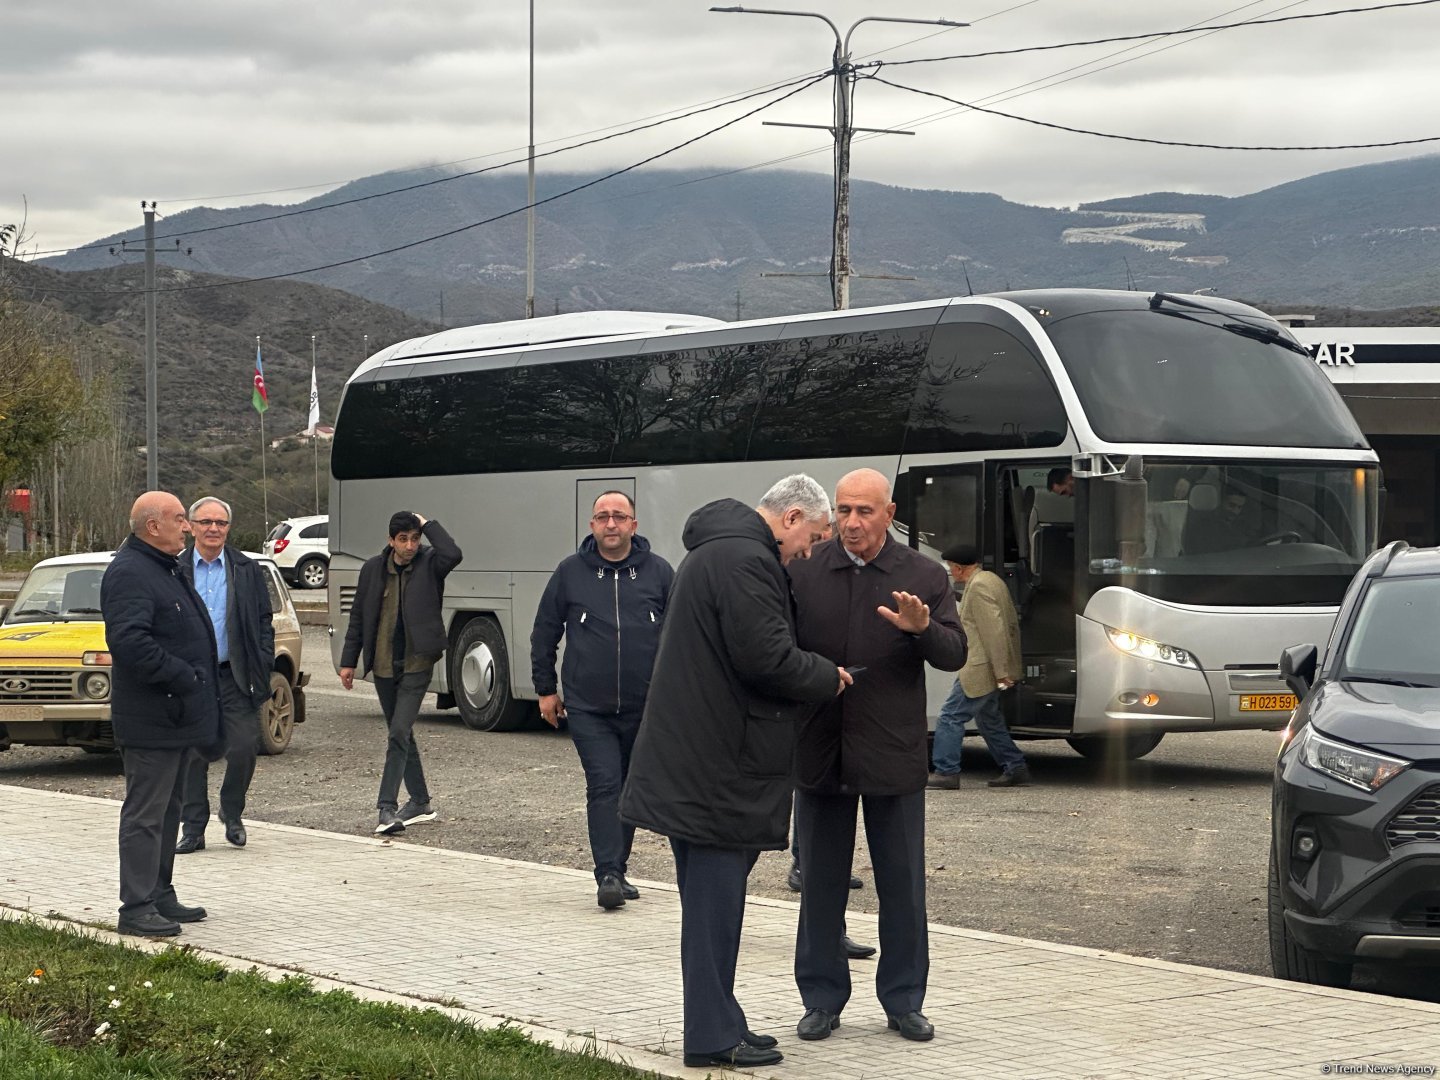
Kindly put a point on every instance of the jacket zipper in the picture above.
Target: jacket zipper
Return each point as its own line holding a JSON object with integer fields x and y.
{"x": 617, "y": 642}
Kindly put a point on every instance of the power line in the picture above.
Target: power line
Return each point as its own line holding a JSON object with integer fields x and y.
{"x": 1165, "y": 33}
{"x": 449, "y": 232}
{"x": 1142, "y": 139}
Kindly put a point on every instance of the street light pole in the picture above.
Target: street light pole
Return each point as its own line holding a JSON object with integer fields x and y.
{"x": 842, "y": 130}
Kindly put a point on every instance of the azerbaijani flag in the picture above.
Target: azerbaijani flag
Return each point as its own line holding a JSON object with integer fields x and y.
{"x": 258, "y": 397}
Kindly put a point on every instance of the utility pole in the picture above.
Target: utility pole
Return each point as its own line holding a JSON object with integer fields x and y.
{"x": 842, "y": 130}
{"x": 530, "y": 188}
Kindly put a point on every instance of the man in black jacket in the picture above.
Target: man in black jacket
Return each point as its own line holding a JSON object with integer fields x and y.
{"x": 397, "y": 627}
{"x": 164, "y": 705}
{"x": 232, "y": 588}
{"x": 712, "y": 763}
{"x": 868, "y": 602}
{"x": 608, "y": 600}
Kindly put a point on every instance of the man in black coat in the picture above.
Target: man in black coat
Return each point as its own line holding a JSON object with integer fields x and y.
{"x": 232, "y": 588}
{"x": 608, "y": 602}
{"x": 164, "y": 705}
{"x": 868, "y": 602}
{"x": 711, "y": 768}
{"x": 397, "y": 626}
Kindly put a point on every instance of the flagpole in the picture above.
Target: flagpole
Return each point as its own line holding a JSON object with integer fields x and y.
{"x": 315, "y": 431}
{"x": 264, "y": 478}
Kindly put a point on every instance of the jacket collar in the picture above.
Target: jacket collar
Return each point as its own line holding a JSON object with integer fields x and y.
{"x": 833, "y": 556}
{"x": 134, "y": 543}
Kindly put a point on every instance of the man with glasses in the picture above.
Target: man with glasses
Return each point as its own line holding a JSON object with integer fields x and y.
{"x": 608, "y": 602}
{"x": 232, "y": 587}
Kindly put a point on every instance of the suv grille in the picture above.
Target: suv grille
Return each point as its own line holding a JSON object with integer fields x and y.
{"x": 1418, "y": 821}
{"x": 36, "y": 686}
{"x": 347, "y": 598}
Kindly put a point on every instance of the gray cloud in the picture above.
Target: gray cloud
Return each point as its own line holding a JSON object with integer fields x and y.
{"x": 110, "y": 103}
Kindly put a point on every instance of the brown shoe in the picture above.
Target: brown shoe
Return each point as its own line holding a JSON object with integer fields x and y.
{"x": 944, "y": 781}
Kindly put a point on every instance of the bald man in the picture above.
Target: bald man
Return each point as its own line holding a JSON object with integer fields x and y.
{"x": 871, "y": 604}
{"x": 164, "y": 705}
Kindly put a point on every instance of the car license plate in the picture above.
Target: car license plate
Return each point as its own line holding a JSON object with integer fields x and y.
{"x": 1268, "y": 702}
{"x": 17, "y": 713}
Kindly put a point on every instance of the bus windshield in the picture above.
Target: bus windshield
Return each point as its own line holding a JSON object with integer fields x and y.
{"x": 1162, "y": 376}
{"x": 1232, "y": 532}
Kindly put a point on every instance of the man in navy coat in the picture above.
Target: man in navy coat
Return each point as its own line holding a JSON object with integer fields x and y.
{"x": 164, "y": 705}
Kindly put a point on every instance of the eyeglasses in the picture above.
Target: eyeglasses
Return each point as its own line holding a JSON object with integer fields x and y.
{"x": 618, "y": 518}
{"x": 219, "y": 523}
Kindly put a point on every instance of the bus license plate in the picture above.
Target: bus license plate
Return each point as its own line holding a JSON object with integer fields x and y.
{"x": 1268, "y": 702}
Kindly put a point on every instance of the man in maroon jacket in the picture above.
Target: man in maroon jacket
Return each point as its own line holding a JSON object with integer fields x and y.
{"x": 871, "y": 604}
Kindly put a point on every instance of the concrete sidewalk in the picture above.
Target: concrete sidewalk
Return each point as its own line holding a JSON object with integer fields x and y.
{"x": 526, "y": 943}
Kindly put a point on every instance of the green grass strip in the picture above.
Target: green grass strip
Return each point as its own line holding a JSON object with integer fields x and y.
{"x": 74, "y": 1008}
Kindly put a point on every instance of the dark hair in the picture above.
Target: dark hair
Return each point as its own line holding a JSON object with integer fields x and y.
{"x": 962, "y": 554}
{"x": 1057, "y": 476}
{"x": 403, "y": 521}
{"x": 622, "y": 494}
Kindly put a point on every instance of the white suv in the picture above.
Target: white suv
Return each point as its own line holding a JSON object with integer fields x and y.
{"x": 301, "y": 549}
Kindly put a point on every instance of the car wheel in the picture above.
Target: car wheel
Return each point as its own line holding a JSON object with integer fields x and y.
{"x": 1115, "y": 748}
{"x": 1288, "y": 958}
{"x": 479, "y": 677}
{"x": 277, "y": 716}
{"x": 312, "y": 573}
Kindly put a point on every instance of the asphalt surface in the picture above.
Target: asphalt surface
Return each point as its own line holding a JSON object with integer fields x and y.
{"x": 1165, "y": 858}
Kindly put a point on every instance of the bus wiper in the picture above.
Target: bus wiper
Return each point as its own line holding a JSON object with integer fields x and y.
{"x": 1269, "y": 335}
{"x": 1386, "y": 681}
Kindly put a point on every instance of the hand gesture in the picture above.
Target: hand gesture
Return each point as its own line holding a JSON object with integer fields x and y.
{"x": 552, "y": 709}
{"x": 419, "y": 517}
{"x": 913, "y": 616}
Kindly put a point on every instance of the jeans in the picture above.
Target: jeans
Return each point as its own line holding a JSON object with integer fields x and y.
{"x": 240, "y": 728}
{"x": 950, "y": 730}
{"x": 604, "y": 742}
{"x": 400, "y": 701}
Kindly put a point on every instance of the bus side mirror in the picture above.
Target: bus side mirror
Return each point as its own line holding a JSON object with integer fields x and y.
{"x": 1297, "y": 668}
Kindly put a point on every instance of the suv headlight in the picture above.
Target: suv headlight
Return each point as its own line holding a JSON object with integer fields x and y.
{"x": 95, "y": 685}
{"x": 1364, "y": 769}
{"x": 1146, "y": 649}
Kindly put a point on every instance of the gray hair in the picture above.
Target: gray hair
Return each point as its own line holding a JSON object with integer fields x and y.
{"x": 800, "y": 492}
{"x": 209, "y": 499}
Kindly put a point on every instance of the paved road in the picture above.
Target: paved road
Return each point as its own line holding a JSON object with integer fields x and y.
{"x": 1165, "y": 859}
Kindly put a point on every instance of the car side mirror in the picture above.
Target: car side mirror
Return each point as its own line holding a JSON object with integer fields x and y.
{"x": 1297, "y": 668}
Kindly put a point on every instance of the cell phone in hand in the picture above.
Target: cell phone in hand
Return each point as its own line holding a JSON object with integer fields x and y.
{"x": 853, "y": 671}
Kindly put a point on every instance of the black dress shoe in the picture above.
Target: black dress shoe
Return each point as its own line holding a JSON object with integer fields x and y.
{"x": 855, "y": 951}
{"x": 741, "y": 1056}
{"x": 1017, "y": 778}
{"x": 610, "y": 895}
{"x": 150, "y": 924}
{"x": 179, "y": 912}
{"x": 856, "y": 883}
{"x": 793, "y": 880}
{"x": 628, "y": 891}
{"x": 760, "y": 1042}
{"x": 235, "y": 832}
{"x": 816, "y": 1024}
{"x": 913, "y": 1026}
{"x": 189, "y": 842}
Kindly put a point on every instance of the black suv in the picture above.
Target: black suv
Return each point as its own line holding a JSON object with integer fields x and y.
{"x": 1355, "y": 833}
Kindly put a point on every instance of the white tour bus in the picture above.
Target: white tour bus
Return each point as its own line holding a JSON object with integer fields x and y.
{"x": 1222, "y": 494}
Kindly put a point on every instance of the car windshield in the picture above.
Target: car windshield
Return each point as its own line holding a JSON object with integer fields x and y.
{"x": 1394, "y": 636}
{"x": 66, "y": 593}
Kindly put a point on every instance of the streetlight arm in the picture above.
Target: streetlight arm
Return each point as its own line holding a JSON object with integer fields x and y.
{"x": 845, "y": 48}
{"x": 737, "y": 10}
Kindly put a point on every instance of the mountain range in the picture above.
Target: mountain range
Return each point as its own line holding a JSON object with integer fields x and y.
{"x": 1365, "y": 237}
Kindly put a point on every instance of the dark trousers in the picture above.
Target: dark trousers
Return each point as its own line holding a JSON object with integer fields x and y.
{"x": 712, "y": 911}
{"x": 895, "y": 835}
{"x": 604, "y": 743}
{"x": 400, "y": 702}
{"x": 149, "y": 825}
{"x": 240, "y": 730}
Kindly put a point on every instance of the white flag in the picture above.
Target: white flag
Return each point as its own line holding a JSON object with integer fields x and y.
{"x": 314, "y": 404}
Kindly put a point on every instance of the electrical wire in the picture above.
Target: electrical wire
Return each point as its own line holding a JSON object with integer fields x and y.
{"x": 1142, "y": 139}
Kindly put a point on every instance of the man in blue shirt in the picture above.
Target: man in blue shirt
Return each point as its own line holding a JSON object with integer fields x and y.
{"x": 232, "y": 588}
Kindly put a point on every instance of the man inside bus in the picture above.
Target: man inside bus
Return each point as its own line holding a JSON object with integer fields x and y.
{"x": 1061, "y": 481}
{"x": 992, "y": 635}
{"x": 867, "y": 602}
{"x": 608, "y": 601}
{"x": 711, "y": 768}
{"x": 398, "y": 630}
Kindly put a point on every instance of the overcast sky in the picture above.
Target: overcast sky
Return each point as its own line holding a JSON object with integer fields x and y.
{"x": 245, "y": 101}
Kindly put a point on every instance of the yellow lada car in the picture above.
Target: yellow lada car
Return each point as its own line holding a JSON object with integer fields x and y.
{"x": 55, "y": 669}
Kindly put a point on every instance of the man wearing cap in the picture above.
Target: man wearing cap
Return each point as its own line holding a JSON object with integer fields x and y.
{"x": 993, "y": 665}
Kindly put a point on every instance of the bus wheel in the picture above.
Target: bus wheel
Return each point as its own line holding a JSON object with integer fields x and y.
{"x": 480, "y": 678}
{"x": 1116, "y": 747}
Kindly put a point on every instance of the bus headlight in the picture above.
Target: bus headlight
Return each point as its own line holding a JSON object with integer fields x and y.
{"x": 1147, "y": 649}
